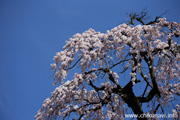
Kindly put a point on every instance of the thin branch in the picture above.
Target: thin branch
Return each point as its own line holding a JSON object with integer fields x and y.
{"x": 157, "y": 17}
{"x": 73, "y": 110}
{"x": 95, "y": 109}
{"x": 75, "y": 63}
{"x": 145, "y": 78}
{"x": 96, "y": 88}
{"x": 120, "y": 62}
{"x": 145, "y": 90}
{"x": 156, "y": 108}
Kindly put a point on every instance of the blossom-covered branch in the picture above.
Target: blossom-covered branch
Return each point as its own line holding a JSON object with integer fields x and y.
{"x": 148, "y": 56}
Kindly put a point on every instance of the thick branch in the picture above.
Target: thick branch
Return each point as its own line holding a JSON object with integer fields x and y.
{"x": 153, "y": 79}
{"x": 150, "y": 96}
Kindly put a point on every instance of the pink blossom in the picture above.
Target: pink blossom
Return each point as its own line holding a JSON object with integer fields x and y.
{"x": 101, "y": 63}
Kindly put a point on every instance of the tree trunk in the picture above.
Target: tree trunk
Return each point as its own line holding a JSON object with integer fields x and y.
{"x": 132, "y": 101}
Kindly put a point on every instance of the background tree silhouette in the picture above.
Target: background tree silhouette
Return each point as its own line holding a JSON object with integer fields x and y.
{"x": 125, "y": 69}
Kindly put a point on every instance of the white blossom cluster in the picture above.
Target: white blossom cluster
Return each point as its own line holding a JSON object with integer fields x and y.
{"x": 96, "y": 50}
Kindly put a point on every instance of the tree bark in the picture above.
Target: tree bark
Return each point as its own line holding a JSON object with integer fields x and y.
{"x": 132, "y": 101}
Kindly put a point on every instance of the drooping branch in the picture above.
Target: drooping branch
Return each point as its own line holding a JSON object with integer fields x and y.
{"x": 75, "y": 63}
{"x": 78, "y": 109}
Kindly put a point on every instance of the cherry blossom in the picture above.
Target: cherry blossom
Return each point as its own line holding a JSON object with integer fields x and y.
{"x": 146, "y": 54}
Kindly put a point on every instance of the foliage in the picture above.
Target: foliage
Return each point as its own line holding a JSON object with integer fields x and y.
{"x": 146, "y": 54}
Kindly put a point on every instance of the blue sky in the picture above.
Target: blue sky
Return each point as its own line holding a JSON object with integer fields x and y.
{"x": 32, "y": 31}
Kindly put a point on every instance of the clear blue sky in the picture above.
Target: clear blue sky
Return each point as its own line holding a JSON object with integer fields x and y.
{"x": 32, "y": 31}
